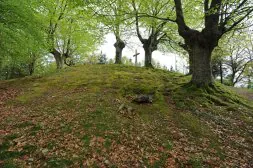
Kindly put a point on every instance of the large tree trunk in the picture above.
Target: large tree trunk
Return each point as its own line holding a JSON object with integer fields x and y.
{"x": 148, "y": 57}
{"x": 119, "y": 46}
{"x": 58, "y": 59}
{"x": 221, "y": 72}
{"x": 232, "y": 79}
{"x": 190, "y": 63}
{"x": 31, "y": 68}
{"x": 31, "y": 64}
{"x": 249, "y": 82}
{"x": 201, "y": 62}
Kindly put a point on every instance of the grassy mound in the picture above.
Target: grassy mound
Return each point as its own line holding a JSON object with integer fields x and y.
{"x": 73, "y": 118}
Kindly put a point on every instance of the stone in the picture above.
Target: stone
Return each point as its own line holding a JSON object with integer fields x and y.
{"x": 142, "y": 99}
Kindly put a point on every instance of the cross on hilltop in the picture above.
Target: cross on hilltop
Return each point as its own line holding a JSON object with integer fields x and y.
{"x": 136, "y": 55}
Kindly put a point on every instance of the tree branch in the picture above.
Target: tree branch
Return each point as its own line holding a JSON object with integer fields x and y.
{"x": 182, "y": 27}
{"x": 137, "y": 22}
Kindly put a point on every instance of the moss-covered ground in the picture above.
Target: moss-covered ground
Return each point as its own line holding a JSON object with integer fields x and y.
{"x": 71, "y": 119}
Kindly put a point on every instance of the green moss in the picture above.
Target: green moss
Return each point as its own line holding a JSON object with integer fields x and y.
{"x": 66, "y": 128}
{"x": 59, "y": 163}
{"x": 86, "y": 140}
{"x": 168, "y": 145}
{"x": 11, "y": 137}
{"x": 29, "y": 148}
{"x": 93, "y": 93}
{"x": 51, "y": 145}
{"x": 107, "y": 143}
{"x": 35, "y": 129}
{"x": 194, "y": 125}
{"x": 9, "y": 164}
{"x": 31, "y": 95}
{"x": 196, "y": 162}
{"x": 4, "y": 146}
{"x": 24, "y": 124}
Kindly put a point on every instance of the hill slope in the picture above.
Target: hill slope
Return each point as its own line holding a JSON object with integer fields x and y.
{"x": 85, "y": 116}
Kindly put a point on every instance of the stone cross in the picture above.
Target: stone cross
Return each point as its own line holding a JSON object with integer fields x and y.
{"x": 136, "y": 55}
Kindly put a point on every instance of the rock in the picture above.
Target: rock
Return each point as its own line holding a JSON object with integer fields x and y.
{"x": 142, "y": 99}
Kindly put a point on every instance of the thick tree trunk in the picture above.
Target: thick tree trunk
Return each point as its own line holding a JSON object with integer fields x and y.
{"x": 233, "y": 78}
{"x": 249, "y": 82}
{"x": 201, "y": 62}
{"x": 31, "y": 68}
{"x": 58, "y": 59}
{"x": 119, "y": 46}
{"x": 190, "y": 63}
{"x": 148, "y": 57}
{"x": 221, "y": 72}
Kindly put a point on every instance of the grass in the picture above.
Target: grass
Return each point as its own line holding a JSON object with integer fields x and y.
{"x": 74, "y": 115}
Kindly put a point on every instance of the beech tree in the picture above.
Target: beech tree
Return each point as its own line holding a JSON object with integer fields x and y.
{"x": 240, "y": 57}
{"x": 146, "y": 14}
{"x": 70, "y": 29}
{"x": 220, "y": 17}
{"x": 111, "y": 15}
{"x": 21, "y": 34}
{"x": 217, "y": 64}
{"x": 232, "y": 57}
{"x": 249, "y": 75}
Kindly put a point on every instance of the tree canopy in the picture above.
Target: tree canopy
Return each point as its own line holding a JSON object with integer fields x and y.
{"x": 66, "y": 32}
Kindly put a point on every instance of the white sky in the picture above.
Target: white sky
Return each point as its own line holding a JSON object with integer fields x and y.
{"x": 167, "y": 59}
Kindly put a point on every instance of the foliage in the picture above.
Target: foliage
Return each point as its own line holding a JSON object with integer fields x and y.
{"x": 22, "y": 33}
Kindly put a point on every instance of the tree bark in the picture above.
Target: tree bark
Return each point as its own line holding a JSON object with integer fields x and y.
{"x": 216, "y": 24}
{"x": 190, "y": 63}
{"x": 31, "y": 68}
{"x": 58, "y": 59}
{"x": 221, "y": 72}
{"x": 148, "y": 57}
{"x": 249, "y": 82}
{"x": 119, "y": 46}
{"x": 201, "y": 65}
{"x": 31, "y": 64}
{"x": 149, "y": 45}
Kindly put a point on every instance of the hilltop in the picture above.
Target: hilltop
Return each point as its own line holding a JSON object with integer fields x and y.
{"x": 85, "y": 116}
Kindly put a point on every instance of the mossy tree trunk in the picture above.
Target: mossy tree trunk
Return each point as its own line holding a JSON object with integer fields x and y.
{"x": 201, "y": 65}
{"x": 221, "y": 71}
{"x": 200, "y": 44}
{"x": 119, "y": 46}
{"x": 58, "y": 58}
{"x": 149, "y": 46}
{"x": 216, "y": 24}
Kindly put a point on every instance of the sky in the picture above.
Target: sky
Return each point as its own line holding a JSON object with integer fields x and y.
{"x": 167, "y": 59}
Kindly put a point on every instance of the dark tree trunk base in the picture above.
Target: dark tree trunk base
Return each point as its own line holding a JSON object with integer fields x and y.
{"x": 148, "y": 57}
{"x": 119, "y": 46}
{"x": 58, "y": 58}
{"x": 201, "y": 65}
